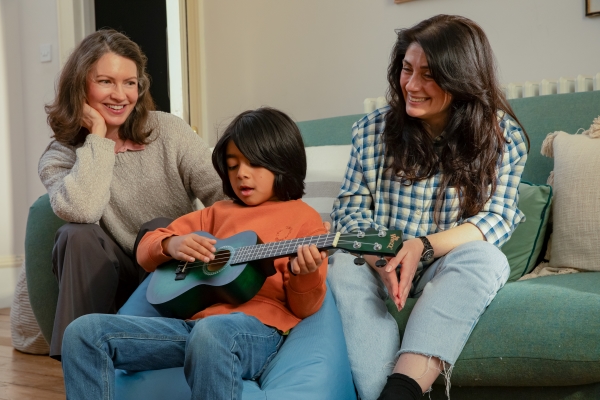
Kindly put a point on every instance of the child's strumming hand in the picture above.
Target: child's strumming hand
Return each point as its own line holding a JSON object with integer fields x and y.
{"x": 308, "y": 259}
{"x": 189, "y": 247}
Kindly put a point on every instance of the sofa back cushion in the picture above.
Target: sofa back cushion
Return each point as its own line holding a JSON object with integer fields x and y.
{"x": 558, "y": 112}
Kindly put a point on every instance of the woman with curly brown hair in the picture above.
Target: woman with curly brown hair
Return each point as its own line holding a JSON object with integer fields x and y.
{"x": 114, "y": 164}
{"x": 442, "y": 163}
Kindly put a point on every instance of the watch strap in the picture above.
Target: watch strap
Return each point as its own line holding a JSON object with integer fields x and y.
{"x": 427, "y": 253}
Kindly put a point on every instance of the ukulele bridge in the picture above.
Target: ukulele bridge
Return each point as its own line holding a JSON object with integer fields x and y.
{"x": 180, "y": 272}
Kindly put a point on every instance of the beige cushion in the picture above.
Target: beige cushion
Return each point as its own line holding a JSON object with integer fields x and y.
{"x": 24, "y": 329}
{"x": 576, "y": 204}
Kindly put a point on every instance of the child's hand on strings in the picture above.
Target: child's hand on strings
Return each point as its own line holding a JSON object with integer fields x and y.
{"x": 190, "y": 247}
{"x": 308, "y": 260}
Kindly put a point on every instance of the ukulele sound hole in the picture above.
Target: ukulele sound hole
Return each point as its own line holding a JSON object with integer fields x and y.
{"x": 221, "y": 259}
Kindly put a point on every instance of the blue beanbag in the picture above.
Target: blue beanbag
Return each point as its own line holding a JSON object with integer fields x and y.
{"x": 311, "y": 364}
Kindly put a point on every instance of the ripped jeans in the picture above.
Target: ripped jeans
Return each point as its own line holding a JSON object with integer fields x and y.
{"x": 452, "y": 294}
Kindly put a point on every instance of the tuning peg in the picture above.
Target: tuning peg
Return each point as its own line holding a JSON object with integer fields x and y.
{"x": 381, "y": 262}
{"x": 359, "y": 261}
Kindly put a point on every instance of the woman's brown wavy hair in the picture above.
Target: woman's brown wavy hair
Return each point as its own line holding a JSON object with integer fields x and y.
{"x": 462, "y": 63}
{"x": 65, "y": 112}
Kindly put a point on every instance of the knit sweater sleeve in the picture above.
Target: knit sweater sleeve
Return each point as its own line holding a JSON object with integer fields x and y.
{"x": 195, "y": 165}
{"x": 78, "y": 179}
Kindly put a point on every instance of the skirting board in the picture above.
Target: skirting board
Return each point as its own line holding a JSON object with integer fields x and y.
{"x": 9, "y": 272}
{"x": 12, "y": 261}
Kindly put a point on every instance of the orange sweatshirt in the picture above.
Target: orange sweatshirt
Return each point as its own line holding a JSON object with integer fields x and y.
{"x": 284, "y": 299}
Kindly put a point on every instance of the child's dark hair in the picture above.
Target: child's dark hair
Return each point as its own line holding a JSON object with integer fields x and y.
{"x": 270, "y": 139}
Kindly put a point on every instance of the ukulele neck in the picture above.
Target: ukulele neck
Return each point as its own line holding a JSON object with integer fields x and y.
{"x": 284, "y": 248}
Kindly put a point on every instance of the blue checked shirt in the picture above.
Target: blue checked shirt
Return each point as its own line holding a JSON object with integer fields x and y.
{"x": 370, "y": 197}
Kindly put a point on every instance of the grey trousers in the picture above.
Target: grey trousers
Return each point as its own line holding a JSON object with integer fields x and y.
{"x": 94, "y": 274}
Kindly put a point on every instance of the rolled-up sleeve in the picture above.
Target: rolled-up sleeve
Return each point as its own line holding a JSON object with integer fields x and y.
{"x": 500, "y": 215}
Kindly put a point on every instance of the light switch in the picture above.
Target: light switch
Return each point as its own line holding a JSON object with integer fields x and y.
{"x": 45, "y": 52}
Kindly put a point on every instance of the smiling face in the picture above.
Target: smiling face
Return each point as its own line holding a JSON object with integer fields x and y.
{"x": 112, "y": 90}
{"x": 253, "y": 185}
{"x": 424, "y": 98}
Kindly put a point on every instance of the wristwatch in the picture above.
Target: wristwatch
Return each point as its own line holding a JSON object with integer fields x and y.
{"x": 427, "y": 254}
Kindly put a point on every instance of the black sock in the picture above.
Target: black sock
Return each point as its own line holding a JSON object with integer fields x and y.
{"x": 400, "y": 387}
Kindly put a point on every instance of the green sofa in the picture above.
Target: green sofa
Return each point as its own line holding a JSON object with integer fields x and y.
{"x": 538, "y": 339}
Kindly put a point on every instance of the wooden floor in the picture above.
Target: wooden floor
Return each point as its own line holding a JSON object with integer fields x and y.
{"x": 24, "y": 376}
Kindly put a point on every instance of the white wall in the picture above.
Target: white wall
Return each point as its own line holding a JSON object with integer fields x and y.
{"x": 37, "y": 25}
{"x": 31, "y": 85}
{"x": 6, "y": 201}
{"x": 315, "y": 58}
{"x": 26, "y": 85}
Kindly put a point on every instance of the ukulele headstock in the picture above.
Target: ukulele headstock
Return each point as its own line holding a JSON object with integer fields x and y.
{"x": 380, "y": 243}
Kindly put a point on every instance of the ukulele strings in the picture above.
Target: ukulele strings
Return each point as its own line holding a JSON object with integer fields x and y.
{"x": 220, "y": 258}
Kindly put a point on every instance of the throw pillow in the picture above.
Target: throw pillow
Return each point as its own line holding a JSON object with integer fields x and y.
{"x": 525, "y": 245}
{"x": 324, "y": 175}
{"x": 576, "y": 208}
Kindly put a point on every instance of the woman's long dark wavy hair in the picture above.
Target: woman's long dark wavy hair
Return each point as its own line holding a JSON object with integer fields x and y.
{"x": 462, "y": 63}
{"x": 65, "y": 112}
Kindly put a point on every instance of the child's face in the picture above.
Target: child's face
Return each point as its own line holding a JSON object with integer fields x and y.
{"x": 252, "y": 184}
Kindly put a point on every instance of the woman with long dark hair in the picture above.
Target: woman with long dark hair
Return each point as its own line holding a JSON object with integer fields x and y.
{"x": 114, "y": 164}
{"x": 442, "y": 163}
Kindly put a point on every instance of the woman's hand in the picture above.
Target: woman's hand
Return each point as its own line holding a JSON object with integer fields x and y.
{"x": 408, "y": 259}
{"x": 190, "y": 247}
{"x": 308, "y": 260}
{"x": 93, "y": 121}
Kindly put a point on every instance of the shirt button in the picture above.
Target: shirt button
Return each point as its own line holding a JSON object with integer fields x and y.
{"x": 418, "y": 212}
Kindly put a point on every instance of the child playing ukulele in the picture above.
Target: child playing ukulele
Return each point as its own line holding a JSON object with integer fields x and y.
{"x": 262, "y": 163}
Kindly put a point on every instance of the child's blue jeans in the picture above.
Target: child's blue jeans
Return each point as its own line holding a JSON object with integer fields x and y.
{"x": 453, "y": 292}
{"x": 217, "y": 352}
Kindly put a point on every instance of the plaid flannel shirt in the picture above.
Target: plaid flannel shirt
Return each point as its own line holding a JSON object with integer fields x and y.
{"x": 370, "y": 197}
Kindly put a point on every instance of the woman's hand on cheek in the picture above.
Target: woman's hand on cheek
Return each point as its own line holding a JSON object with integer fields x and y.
{"x": 308, "y": 260}
{"x": 408, "y": 259}
{"x": 93, "y": 121}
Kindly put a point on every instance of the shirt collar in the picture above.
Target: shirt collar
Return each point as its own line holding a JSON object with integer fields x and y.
{"x": 128, "y": 145}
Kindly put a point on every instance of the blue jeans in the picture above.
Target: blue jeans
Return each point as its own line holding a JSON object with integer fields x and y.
{"x": 217, "y": 352}
{"x": 452, "y": 294}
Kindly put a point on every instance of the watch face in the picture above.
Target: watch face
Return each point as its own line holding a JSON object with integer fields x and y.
{"x": 427, "y": 255}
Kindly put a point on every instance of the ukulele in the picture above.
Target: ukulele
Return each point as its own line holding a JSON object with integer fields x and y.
{"x": 179, "y": 289}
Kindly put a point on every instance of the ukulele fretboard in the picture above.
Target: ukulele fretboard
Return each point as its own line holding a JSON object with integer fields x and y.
{"x": 247, "y": 254}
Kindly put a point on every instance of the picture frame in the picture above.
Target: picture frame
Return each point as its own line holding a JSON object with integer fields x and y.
{"x": 592, "y": 8}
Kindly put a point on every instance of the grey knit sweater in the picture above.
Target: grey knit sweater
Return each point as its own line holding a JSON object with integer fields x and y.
{"x": 89, "y": 183}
